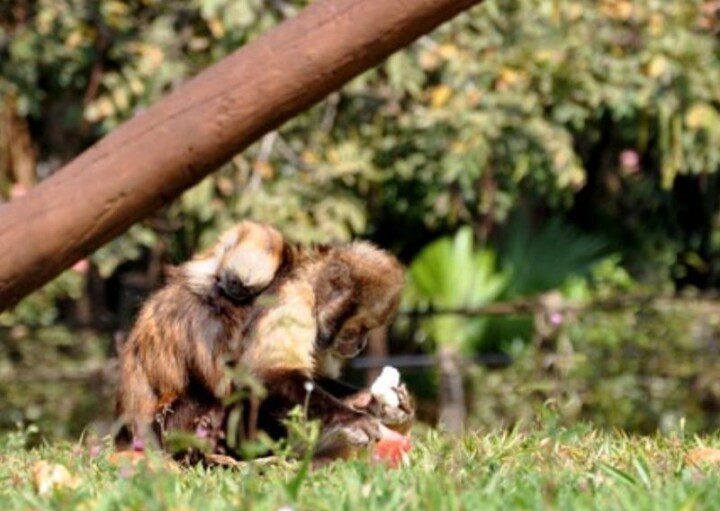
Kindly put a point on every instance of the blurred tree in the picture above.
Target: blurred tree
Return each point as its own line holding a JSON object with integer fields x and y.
{"x": 517, "y": 100}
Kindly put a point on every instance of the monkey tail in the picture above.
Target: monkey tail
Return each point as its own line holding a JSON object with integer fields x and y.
{"x": 136, "y": 403}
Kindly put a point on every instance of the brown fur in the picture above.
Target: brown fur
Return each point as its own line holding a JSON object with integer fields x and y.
{"x": 186, "y": 330}
{"x": 304, "y": 325}
{"x": 316, "y": 312}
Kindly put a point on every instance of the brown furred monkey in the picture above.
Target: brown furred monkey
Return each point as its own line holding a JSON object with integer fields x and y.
{"x": 186, "y": 329}
{"x": 305, "y": 324}
{"x": 322, "y": 316}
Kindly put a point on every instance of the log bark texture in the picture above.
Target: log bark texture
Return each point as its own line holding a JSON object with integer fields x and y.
{"x": 159, "y": 153}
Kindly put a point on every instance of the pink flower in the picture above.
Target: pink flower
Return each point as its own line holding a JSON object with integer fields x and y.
{"x": 630, "y": 161}
{"x": 127, "y": 471}
{"x": 138, "y": 444}
{"x": 556, "y": 318}
{"x": 94, "y": 451}
{"x": 82, "y": 266}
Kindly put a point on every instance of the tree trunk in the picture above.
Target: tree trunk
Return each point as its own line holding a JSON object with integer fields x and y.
{"x": 17, "y": 154}
{"x": 452, "y": 392}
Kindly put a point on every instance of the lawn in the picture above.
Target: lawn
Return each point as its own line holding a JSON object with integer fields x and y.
{"x": 533, "y": 468}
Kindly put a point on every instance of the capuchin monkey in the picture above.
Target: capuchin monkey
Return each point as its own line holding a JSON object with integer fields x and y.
{"x": 316, "y": 309}
{"x": 321, "y": 316}
{"x": 301, "y": 330}
{"x": 186, "y": 329}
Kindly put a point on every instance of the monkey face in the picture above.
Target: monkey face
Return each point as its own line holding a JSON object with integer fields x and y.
{"x": 231, "y": 287}
{"x": 344, "y": 334}
{"x": 349, "y": 342}
{"x": 350, "y": 335}
{"x": 359, "y": 290}
{"x": 240, "y": 265}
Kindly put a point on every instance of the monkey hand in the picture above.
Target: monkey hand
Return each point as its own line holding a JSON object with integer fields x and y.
{"x": 398, "y": 417}
{"x": 345, "y": 439}
{"x": 362, "y": 430}
{"x": 391, "y": 402}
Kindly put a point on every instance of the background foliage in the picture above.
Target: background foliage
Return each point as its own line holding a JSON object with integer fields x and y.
{"x": 576, "y": 142}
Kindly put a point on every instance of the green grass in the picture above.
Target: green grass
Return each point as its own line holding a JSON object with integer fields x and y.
{"x": 544, "y": 468}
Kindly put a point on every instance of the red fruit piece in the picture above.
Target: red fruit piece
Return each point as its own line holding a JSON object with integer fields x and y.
{"x": 391, "y": 448}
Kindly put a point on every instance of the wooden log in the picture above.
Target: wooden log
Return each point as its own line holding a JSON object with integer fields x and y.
{"x": 159, "y": 153}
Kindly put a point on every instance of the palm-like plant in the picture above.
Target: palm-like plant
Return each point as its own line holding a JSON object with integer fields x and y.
{"x": 543, "y": 258}
{"x": 451, "y": 273}
{"x": 538, "y": 259}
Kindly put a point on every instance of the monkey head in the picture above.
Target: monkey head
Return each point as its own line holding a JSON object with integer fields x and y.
{"x": 356, "y": 290}
{"x": 240, "y": 265}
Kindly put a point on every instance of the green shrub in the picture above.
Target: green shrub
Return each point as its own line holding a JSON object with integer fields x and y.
{"x": 643, "y": 369}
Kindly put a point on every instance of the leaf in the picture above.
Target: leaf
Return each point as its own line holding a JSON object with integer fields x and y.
{"x": 450, "y": 273}
{"x": 440, "y": 95}
{"x": 702, "y": 115}
{"x": 703, "y": 456}
{"x": 48, "y": 477}
{"x": 544, "y": 258}
{"x": 617, "y": 474}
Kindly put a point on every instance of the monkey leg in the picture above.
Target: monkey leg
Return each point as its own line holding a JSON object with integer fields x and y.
{"x": 137, "y": 415}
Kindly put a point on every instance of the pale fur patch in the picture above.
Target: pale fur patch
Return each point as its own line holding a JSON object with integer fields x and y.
{"x": 228, "y": 239}
{"x": 253, "y": 266}
{"x": 200, "y": 274}
{"x": 285, "y": 336}
{"x": 330, "y": 365}
{"x": 366, "y": 249}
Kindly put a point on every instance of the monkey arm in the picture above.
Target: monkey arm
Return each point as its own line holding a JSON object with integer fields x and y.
{"x": 296, "y": 388}
{"x": 337, "y": 388}
{"x": 354, "y": 397}
{"x": 344, "y": 428}
{"x": 399, "y": 418}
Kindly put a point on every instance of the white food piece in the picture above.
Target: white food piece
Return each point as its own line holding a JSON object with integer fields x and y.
{"x": 383, "y": 388}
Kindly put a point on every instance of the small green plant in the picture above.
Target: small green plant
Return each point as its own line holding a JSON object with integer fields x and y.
{"x": 543, "y": 256}
{"x": 451, "y": 273}
{"x": 537, "y": 258}
{"x": 302, "y": 438}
